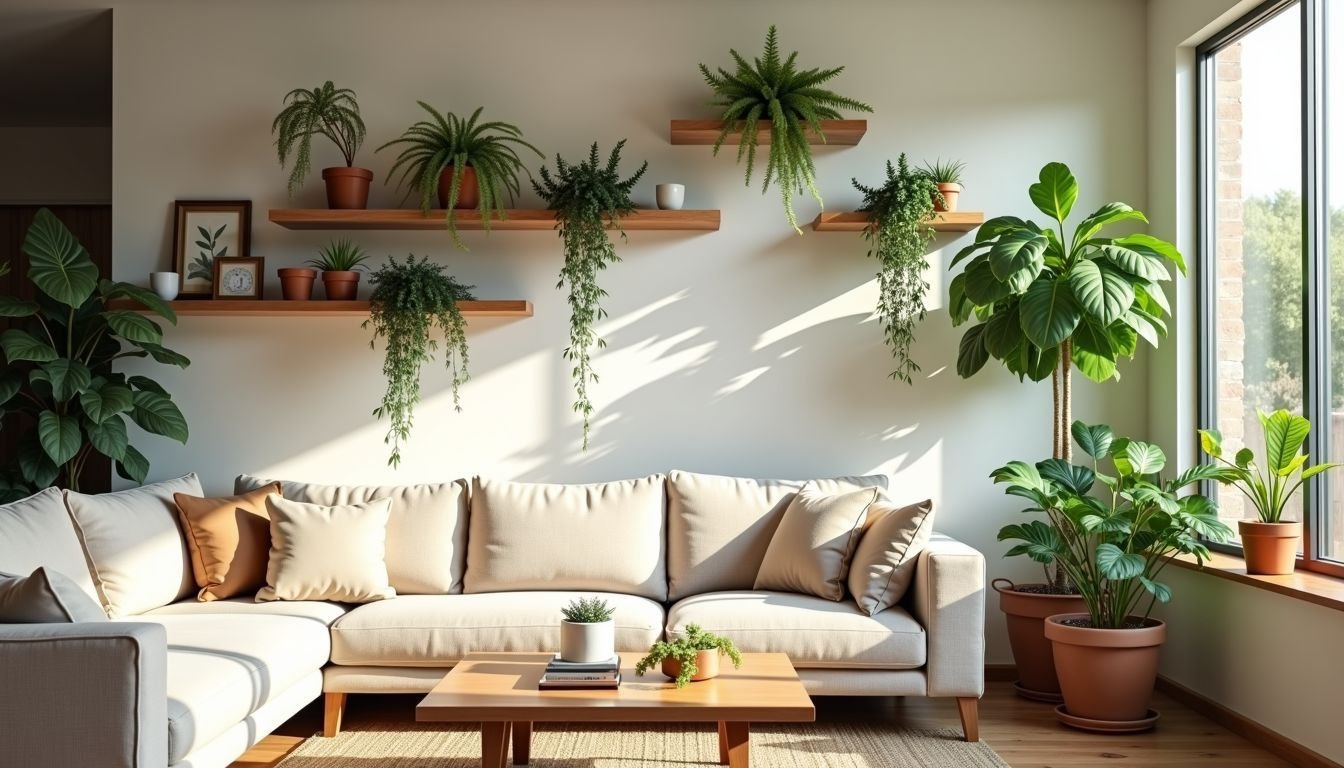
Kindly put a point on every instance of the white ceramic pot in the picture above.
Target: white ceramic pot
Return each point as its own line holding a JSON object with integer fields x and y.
{"x": 587, "y": 642}
{"x": 166, "y": 284}
{"x": 671, "y": 196}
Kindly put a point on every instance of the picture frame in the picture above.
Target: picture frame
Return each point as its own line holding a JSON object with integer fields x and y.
{"x": 239, "y": 277}
{"x": 204, "y": 230}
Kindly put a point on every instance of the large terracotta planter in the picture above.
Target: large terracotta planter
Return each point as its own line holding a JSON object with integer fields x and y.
{"x": 950, "y": 193}
{"x": 468, "y": 192}
{"x": 1025, "y": 614}
{"x": 296, "y": 283}
{"x": 1106, "y": 675}
{"x": 1270, "y": 548}
{"x": 347, "y": 188}
{"x": 706, "y": 664}
{"x": 341, "y": 285}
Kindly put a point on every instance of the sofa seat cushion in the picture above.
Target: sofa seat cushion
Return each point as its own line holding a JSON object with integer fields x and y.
{"x": 313, "y": 610}
{"x": 223, "y": 668}
{"x": 439, "y": 630}
{"x": 815, "y": 633}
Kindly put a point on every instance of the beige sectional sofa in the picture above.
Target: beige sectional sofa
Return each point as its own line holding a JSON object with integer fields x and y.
{"x": 479, "y": 566}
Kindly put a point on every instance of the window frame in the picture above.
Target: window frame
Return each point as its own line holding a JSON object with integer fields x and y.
{"x": 1315, "y": 255}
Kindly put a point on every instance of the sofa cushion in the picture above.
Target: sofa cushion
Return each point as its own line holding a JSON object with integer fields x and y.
{"x": 606, "y": 537}
{"x": 229, "y": 539}
{"x": 815, "y": 633}
{"x": 45, "y": 596}
{"x": 311, "y": 610}
{"x": 439, "y": 630}
{"x": 811, "y": 548}
{"x": 37, "y": 532}
{"x": 718, "y": 528}
{"x": 426, "y": 529}
{"x": 327, "y": 553}
{"x": 884, "y": 564}
{"x": 134, "y": 545}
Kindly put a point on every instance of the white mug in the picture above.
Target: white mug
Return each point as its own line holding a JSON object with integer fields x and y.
{"x": 671, "y": 196}
{"x": 166, "y": 284}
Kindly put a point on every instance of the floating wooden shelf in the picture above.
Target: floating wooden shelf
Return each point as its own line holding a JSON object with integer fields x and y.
{"x": 516, "y": 219}
{"x": 840, "y": 133}
{"x": 856, "y": 221}
{"x": 280, "y": 307}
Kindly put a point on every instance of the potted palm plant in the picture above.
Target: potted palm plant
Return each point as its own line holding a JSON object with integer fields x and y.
{"x": 947, "y": 176}
{"x": 465, "y": 164}
{"x": 1269, "y": 542}
{"x": 1113, "y": 546}
{"x": 690, "y": 658}
{"x": 340, "y": 262}
{"x": 334, "y": 113}
{"x": 588, "y": 631}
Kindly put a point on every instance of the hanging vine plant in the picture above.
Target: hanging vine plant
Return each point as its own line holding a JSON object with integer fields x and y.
{"x": 587, "y": 198}
{"x": 897, "y": 237}
{"x": 410, "y": 299}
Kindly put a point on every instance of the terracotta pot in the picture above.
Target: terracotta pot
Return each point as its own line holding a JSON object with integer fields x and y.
{"x": 1106, "y": 674}
{"x": 341, "y": 286}
{"x": 1025, "y": 614}
{"x": 296, "y": 283}
{"x": 1270, "y": 548}
{"x": 468, "y": 192}
{"x": 347, "y": 187}
{"x": 949, "y": 201}
{"x": 706, "y": 662}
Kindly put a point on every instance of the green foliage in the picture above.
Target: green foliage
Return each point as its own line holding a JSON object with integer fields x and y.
{"x": 685, "y": 649}
{"x": 792, "y": 100}
{"x": 1272, "y": 486}
{"x": 943, "y": 171}
{"x": 588, "y": 610}
{"x": 341, "y": 255}
{"x": 203, "y": 266}
{"x": 897, "y": 237}
{"x": 323, "y": 111}
{"x": 58, "y": 367}
{"x": 1114, "y": 545}
{"x": 587, "y": 197}
{"x": 448, "y": 140}
{"x": 409, "y": 300}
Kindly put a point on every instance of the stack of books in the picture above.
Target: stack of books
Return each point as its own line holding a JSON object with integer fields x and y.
{"x": 572, "y": 674}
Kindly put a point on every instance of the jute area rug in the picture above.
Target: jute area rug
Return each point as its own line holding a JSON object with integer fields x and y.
{"x": 811, "y": 745}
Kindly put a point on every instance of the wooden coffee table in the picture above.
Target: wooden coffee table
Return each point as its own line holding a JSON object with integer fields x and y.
{"x": 499, "y": 690}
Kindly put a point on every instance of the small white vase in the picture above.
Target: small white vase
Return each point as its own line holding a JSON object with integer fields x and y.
{"x": 587, "y": 642}
{"x": 166, "y": 284}
{"x": 671, "y": 196}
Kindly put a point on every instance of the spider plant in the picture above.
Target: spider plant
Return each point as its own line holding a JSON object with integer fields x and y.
{"x": 793, "y": 102}
{"x": 323, "y": 111}
{"x": 342, "y": 255}
{"x": 447, "y": 141}
{"x": 943, "y": 171}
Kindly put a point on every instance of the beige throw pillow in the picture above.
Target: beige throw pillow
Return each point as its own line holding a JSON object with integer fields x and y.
{"x": 230, "y": 541}
{"x": 327, "y": 553}
{"x": 884, "y": 563}
{"x": 45, "y": 597}
{"x": 811, "y": 549}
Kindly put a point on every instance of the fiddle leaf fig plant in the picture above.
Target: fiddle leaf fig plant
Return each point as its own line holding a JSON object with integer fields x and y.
{"x": 323, "y": 111}
{"x": 1272, "y": 486}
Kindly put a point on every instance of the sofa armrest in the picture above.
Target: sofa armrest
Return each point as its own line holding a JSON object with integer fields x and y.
{"x": 949, "y": 600}
{"x": 75, "y": 693}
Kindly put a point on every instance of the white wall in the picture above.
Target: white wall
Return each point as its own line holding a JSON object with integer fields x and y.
{"x": 55, "y": 164}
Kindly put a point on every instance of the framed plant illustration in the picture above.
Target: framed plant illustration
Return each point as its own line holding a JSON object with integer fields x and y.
{"x": 204, "y": 230}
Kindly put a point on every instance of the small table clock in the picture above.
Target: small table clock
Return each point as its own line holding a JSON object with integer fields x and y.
{"x": 239, "y": 277}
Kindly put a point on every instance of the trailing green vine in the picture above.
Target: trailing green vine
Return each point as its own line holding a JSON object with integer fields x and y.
{"x": 586, "y": 198}
{"x": 409, "y": 300}
{"x": 685, "y": 650}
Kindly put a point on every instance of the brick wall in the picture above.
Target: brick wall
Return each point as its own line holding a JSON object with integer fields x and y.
{"x": 1230, "y": 265}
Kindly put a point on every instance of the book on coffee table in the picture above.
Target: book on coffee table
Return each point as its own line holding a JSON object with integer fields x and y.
{"x": 553, "y": 681}
{"x": 558, "y": 664}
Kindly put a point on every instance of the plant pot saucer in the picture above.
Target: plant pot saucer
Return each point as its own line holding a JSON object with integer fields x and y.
{"x": 1107, "y": 726}
{"x": 1048, "y": 697}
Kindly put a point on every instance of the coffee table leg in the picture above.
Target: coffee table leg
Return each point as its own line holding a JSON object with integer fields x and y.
{"x": 494, "y": 744}
{"x": 734, "y": 744}
{"x": 522, "y": 742}
{"x": 723, "y": 743}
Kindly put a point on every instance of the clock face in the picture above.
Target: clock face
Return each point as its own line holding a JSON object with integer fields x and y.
{"x": 238, "y": 281}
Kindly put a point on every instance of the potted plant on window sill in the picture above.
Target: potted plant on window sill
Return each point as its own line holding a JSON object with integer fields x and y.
{"x": 588, "y": 631}
{"x": 1269, "y": 542}
{"x": 334, "y": 113}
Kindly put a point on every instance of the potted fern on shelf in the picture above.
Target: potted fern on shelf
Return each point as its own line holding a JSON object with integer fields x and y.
{"x": 588, "y": 631}
{"x": 690, "y": 658}
{"x": 946, "y": 176}
{"x": 772, "y": 94}
{"x": 340, "y": 262}
{"x": 333, "y": 113}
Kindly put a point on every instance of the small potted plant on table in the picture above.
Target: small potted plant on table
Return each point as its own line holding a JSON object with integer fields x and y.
{"x": 334, "y": 113}
{"x": 690, "y": 658}
{"x": 340, "y": 263}
{"x": 588, "y": 632}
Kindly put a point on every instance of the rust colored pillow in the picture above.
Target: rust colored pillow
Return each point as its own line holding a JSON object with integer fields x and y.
{"x": 230, "y": 541}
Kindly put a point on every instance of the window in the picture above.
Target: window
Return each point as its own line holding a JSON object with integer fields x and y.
{"x": 1271, "y": 261}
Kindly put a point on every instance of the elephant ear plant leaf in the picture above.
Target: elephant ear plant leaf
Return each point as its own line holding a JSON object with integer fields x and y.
{"x": 794, "y": 102}
{"x": 323, "y": 111}
{"x": 1272, "y": 486}
{"x": 410, "y": 299}
{"x": 58, "y": 372}
{"x": 587, "y": 198}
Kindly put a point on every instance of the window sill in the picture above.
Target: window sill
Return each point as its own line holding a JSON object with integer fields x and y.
{"x": 1318, "y": 588}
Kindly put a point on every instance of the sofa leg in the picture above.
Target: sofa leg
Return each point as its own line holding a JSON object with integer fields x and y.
{"x": 969, "y": 709}
{"x": 333, "y": 711}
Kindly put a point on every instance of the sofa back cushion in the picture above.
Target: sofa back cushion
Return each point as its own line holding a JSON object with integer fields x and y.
{"x": 36, "y": 532}
{"x": 606, "y": 537}
{"x": 426, "y": 529}
{"x": 134, "y": 545}
{"x": 720, "y": 527}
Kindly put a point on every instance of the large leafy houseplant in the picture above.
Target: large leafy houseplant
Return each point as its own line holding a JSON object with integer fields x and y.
{"x": 325, "y": 111}
{"x": 410, "y": 299}
{"x": 58, "y": 365}
{"x": 588, "y": 198}
{"x": 794, "y": 103}
{"x": 446, "y": 141}
{"x": 897, "y": 236}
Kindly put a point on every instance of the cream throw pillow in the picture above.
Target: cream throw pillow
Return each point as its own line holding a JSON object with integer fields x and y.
{"x": 884, "y": 563}
{"x": 327, "y": 553}
{"x": 812, "y": 547}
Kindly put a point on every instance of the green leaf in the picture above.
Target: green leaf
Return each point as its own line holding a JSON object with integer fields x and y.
{"x": 22, "y": 346}
{"x": 59, "y": 436}
{"x": 1284, "y": 434}
{"x": 981, "y": 285}
{"x": 158, "y": 414}
{"x": 1211, "y": 441}
{"x": 1094, "y": 366}
{"x": 1157, "y": 589}
{"x": 1201, "y": 472}
{"x": 104, "y": 402}
{"x": 147, "y": 298}
{"x": 999, "y": 225}
{"x": 1152, "y": 245}
{"x": 1022, "y": 474}
{"x": 1306, "y": 473}
{"x": 133, "y": 465}
{"x": 1094, "y": 439}
{"x": 10, "y": 384}
{"x": 1042, "y": 542}
{"x": 1017, "y": 258}
{"x": 164, "y": 355}
{"x": 13, "y": 307}
{"x": 58, "y": 265}
{"x": 971, "y": 353}
{"x": 1003, "y": 332}
{"x": 109, "y": 437}
{"x": 1118, "y": 565}
{"x": 958, "y": 306}
{"x": 68, "y": 378}
{"x": 133, "y": 327}
{"x": 1139, "y": 458}
{"x": 1109, "y": 213}
{"x": 1056, "y": 191}
{"x": 1102, "y": 291}
{"x": 1049, "y": 314}
{"x": 142, "y": 382}
{"x": 1141, "y": 264}
{"x": 35, "y": 466}
{"x": 1076, "y": 478}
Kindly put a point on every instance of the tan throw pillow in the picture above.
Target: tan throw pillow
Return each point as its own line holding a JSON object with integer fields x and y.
{"x": 230, "y": 541}
{"x": 884, "y": 563}
{"x": 45, "y": 597}
{"x": 327, "y": 553}
{"x": 812, "y": 547}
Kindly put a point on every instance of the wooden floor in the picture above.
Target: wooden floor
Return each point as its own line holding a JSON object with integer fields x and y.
{"x": 1023, "y": 733}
